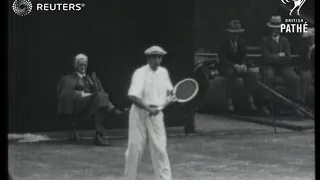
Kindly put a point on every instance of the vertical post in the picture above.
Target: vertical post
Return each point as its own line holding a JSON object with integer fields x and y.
{"x": 273, "y": 114}
{"x": 189, "y": 128}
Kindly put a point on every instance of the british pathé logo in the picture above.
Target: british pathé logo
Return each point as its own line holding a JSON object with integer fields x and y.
{"x": 294, "y": 26}
{"x": 24, "y": 7}
{"x": 297, "y": 5}
{"x": 289, "y": 25}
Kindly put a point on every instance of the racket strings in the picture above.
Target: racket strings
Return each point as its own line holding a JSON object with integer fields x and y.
{"x": 185, "y": 90}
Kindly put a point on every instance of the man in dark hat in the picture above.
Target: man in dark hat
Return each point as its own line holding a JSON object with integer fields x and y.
{"x": 276, "y": 59}
{"x": 232, "y": 54}
{"x": 78, "y": 93}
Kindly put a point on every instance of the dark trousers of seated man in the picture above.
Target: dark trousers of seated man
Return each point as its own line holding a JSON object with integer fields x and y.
{"x": 306, "y": 84}
{"x": 251, "y": 87}
{"x": 305, "y": 68}
{"x": 97, "y": 107}
{"x": 291, "y": 79}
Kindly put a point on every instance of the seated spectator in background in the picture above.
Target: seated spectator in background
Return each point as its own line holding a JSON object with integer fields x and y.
{"x": 305, "y": 65}
{"x": 276, "y": 59}
{"x": 78, "y": 93}
{"x": 232, "y": 54}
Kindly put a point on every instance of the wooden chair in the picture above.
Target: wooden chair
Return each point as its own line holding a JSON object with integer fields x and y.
{"x": 74, "y": 135}
{"x": 73, "y": 121}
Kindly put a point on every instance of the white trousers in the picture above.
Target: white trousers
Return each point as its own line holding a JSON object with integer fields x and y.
{"x": 142, "y": 129}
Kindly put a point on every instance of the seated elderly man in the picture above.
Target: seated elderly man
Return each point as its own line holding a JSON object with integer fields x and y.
{"x": 81, "y": 94}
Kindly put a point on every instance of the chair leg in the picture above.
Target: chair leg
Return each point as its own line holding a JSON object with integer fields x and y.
{"x": 78, "y": 137}
{"x": 75, "y": 135}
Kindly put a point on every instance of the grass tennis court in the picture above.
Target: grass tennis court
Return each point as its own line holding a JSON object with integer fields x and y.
{"x": 264, "y": 156}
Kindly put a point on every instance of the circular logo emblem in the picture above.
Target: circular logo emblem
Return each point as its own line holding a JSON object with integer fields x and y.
{"x": 22, "y": 7}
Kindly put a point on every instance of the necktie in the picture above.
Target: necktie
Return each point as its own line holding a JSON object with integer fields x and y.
{"x": 234, "y": 45}
{"x": 85, "y": 83}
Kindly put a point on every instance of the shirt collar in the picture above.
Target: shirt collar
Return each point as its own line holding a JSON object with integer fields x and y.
{"x": 276, "y": 38}
{"x": 233, "y": 42}
{"x": 150, "y": 70}
{"x": 81, "y": 75}
{"x": 312, "y": 45}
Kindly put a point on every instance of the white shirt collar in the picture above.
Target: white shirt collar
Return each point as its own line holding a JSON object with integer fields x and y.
{"x": 233, "y": 42}
{"x": 149, "y": 69}
{"x": 81, "y": 75}
{"x": 276, "y": 38}
{"x": 312, "y": 46}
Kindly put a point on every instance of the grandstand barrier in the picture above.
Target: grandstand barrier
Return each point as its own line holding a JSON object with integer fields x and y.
{"x": 215, "y": 98}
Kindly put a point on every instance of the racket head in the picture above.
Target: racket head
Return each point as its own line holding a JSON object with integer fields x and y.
{"x": 185, "y": 90}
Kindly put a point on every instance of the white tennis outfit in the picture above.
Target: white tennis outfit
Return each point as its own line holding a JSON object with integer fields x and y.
{"x": 152, "y": 87}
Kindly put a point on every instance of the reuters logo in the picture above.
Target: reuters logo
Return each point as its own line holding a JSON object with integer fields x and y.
{"x": 22, "y": 7}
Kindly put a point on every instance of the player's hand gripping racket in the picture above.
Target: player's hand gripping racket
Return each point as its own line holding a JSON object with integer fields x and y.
{"x": 184, "y": 91}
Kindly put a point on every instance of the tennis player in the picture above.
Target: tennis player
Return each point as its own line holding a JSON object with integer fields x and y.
{"x": 150, "y": 88}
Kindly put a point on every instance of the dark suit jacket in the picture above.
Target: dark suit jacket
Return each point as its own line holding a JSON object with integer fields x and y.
{"x": 228, "y": 57}
{"x": 68, "y": 102}
{"x": 305, "y": 62}
{"x": 270, "y": 49}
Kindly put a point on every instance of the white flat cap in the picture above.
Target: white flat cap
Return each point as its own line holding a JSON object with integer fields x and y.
{"x": 310, "y": 32}
{"x": 156, "y": 50}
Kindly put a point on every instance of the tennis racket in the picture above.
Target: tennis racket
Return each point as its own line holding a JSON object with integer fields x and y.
{"x": 184, "y": 91}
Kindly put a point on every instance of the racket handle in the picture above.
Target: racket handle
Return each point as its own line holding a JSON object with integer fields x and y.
{"x": 160, "y": 108}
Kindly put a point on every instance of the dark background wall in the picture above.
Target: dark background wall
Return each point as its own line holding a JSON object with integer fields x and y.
{"x": 114, "y": 34}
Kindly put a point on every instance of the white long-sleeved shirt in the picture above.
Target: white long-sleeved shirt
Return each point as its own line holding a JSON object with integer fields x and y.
{"x": 151, "y": 86}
